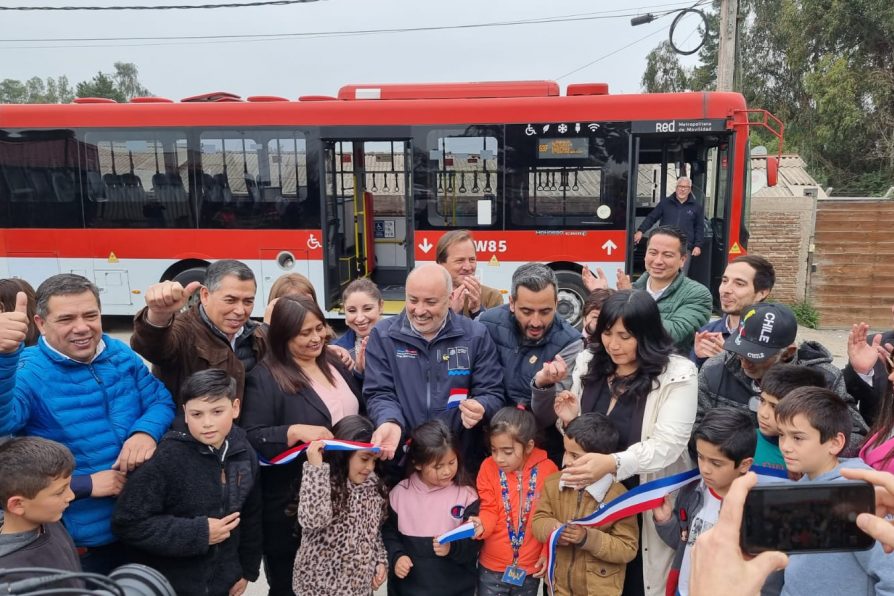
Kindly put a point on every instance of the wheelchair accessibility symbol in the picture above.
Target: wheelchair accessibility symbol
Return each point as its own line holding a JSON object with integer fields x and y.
{"x": 313, "y": 243}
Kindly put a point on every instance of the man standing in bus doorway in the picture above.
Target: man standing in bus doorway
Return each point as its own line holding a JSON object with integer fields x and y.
{"x": 214, "y": 333}
{"x": 93, "y": 394}
{"x": 685, "y": 304}
{"x": 680, "y": 210}
{"x": 747, "y": 280}
{"x": 428, "y": 362}
{"x": 456, "y": 253}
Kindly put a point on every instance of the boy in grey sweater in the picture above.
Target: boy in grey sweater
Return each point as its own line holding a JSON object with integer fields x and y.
{"x": 814, "y": 424}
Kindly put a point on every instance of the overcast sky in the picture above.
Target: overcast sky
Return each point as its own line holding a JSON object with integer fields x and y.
{"x": 320, "y": 65}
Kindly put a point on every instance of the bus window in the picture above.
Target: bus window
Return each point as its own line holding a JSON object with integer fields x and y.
{"x": 135, "y": 178}
{"x": 461, "y": 182}
{"x": 254, "y": 179}
{"x": 39, "y": 179}
{"x": 562, "y": 176}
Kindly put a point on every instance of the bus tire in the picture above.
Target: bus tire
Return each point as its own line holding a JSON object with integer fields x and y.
{"x": 186, "y": 277}
{"x": 572, "y": 295}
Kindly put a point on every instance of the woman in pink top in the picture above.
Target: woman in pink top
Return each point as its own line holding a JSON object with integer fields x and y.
{"x": 295, "y": 395}
{"x": 878, "y": 450}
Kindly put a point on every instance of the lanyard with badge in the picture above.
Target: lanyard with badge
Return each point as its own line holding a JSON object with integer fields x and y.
{"x": 514, "y": 575}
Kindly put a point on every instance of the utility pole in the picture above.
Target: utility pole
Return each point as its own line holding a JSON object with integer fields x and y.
{"x": 726, "y": 53}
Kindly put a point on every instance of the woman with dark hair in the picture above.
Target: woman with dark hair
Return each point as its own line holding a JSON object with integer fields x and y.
{"x": 650, "y": 394}
{"x": 9, "y": 288}
{"x": 297, "y": 393}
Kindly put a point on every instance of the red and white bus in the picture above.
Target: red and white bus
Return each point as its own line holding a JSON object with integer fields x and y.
{"x": 363, "y": 183}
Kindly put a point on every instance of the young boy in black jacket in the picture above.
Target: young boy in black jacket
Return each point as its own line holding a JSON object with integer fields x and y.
{"x": 193, "y": 511}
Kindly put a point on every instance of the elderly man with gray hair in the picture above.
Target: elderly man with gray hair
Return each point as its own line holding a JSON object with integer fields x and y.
{"x": 215, "y": 333}
{"x": 536, "y": 348}
{"x": 682, "y": 211}
{"x": 428, "y": 362}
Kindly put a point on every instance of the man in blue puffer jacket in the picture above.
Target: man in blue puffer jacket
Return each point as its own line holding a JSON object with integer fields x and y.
{"x": 89, "y": 392}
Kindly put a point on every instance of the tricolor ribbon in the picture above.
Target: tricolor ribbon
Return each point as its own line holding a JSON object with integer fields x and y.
{"x": 644, "y": 497}
{"x": 457, "y": 396}
{"x": 291, "y": 454}
{"x": 466, "y": 530}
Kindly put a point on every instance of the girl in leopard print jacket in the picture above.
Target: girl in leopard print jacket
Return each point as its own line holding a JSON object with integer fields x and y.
{"x": 342, "y": 505}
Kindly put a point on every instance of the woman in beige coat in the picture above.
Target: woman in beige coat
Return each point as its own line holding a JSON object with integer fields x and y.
{"x": 631, "y": 374}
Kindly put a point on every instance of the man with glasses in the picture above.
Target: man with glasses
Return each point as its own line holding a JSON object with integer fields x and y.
{"x": 682, "y": 211}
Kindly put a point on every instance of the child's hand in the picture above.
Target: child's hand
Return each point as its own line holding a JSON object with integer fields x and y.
{"x": 572, "y": 535}
{"x": 663, "y": 513}
{"x": 314, "y": 453}
{"x": 442, "y": 550}
{"x": 402, "y": 566}
{"x": 379, "y": 577}
{"x": 239, "y": 587}
{"x": 479, "y": 527}
{"x": 219, "y": 529}
{"x": 540, "y": 567}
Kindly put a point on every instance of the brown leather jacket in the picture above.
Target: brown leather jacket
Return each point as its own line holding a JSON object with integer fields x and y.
{"x": 189, "y": 345}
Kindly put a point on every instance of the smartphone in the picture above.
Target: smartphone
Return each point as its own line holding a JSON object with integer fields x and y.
{"x": 814, "y": 517}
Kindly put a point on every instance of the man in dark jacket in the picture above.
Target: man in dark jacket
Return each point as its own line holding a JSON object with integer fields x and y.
{"x": 194, "y": 510}
{"x": 216, "y": 333}
{"x": 766, "y": 335}
{"x": 682, "y": 211}
{"x": 428, "y": 362}
{"x": 537, "y": 349}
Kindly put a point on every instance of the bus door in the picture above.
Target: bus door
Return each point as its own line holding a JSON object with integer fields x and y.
{"x": 665, "y": 151}
{"x": 366, "y": 225}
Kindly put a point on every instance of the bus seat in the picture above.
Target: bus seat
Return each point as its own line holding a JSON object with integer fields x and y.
{"x": 226, "y": 195}
{"x": 113, "y": 186}
{"x": 96, "y": 188}
{"x": 251, "y": 187}
{"x": 160, "y": 186}
{"x": 20, "y": 188}
{"x": 133, "y": 187}
{"x": 175, "y": 184}
{"x": 43, "y": 187}
{"x": 63, "y": 186}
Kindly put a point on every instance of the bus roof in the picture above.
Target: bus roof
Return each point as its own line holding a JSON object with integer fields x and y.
{"x": 395, "y": 105}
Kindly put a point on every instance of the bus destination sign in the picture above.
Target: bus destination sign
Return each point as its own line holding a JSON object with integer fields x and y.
{"x": 568, "y": 148}
{"x": 678, "y": 126}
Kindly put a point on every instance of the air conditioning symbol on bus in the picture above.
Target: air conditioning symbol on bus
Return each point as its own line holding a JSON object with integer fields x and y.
{"x": 313, "y": 243}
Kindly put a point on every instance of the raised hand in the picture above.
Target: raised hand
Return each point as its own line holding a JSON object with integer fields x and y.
{"x": 387, "y": 437}
{"x": 566, "y": 406}
{"x": 14, "y": 325}
{"x": 708, "y": 343}
{"x": 594, "y": 282}
{"x": 458, "y": 299}
{"x": 473, "y": 292}
{"x": 314, "y": 453}
{"x": 862, "y": 355}
{"x": 167, "y": 299}
{"x": 552, "y": 372}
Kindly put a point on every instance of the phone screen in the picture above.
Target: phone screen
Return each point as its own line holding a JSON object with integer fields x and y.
{"x": 806, "y": 517}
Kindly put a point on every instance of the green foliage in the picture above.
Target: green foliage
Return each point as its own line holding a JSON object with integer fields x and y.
{"x": 826, "y": 69}
{"x": 664, "y": 73}
{"x": 121, "y": 85}
{"x": 806, "y": 314}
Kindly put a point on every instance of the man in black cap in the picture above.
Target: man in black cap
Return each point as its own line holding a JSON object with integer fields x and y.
{"x": 766, "y": 336}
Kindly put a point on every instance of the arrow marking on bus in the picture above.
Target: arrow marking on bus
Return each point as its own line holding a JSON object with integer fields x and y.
{"x": 425, "y": 245}
{"x": 608, "y": 246}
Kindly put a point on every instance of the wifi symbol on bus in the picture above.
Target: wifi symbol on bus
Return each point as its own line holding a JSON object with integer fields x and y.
{"x": 593, "y": 126}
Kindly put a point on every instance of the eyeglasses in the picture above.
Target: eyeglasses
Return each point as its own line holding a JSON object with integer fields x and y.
{"x": 684, "y": 187}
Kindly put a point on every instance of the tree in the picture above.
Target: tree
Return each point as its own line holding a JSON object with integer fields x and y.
{"x": 102, "y": 85}
{"x": 664, "y": 73}
{"x": 127, "y": 81}
{"x": 827, "y": 70}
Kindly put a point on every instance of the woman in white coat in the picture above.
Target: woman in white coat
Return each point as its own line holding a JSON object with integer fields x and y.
{"x": 631, "y": 374}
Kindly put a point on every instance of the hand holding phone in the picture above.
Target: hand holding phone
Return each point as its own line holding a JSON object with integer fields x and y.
{"x": 807, "y": 517}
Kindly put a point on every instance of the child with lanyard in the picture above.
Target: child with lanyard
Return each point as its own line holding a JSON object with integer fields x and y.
{"x": 510, "y": 481}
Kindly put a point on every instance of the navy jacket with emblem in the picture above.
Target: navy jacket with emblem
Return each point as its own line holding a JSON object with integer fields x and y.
{"x": 409, "y": 380}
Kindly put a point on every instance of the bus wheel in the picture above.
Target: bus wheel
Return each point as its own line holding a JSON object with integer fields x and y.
{"x": 572, "y": 295}
{"x": 186, "y": 277}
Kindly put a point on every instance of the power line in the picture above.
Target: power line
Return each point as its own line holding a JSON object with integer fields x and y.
{"x": 610, "y": 54}
{"x": 614, "y": 14}
{"x": 163, "y": 7}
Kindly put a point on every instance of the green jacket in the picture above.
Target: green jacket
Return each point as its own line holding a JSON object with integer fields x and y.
{"x": 684, "y": 306}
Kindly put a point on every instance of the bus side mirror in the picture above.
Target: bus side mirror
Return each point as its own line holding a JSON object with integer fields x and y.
{"x": 772, "y": 170}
